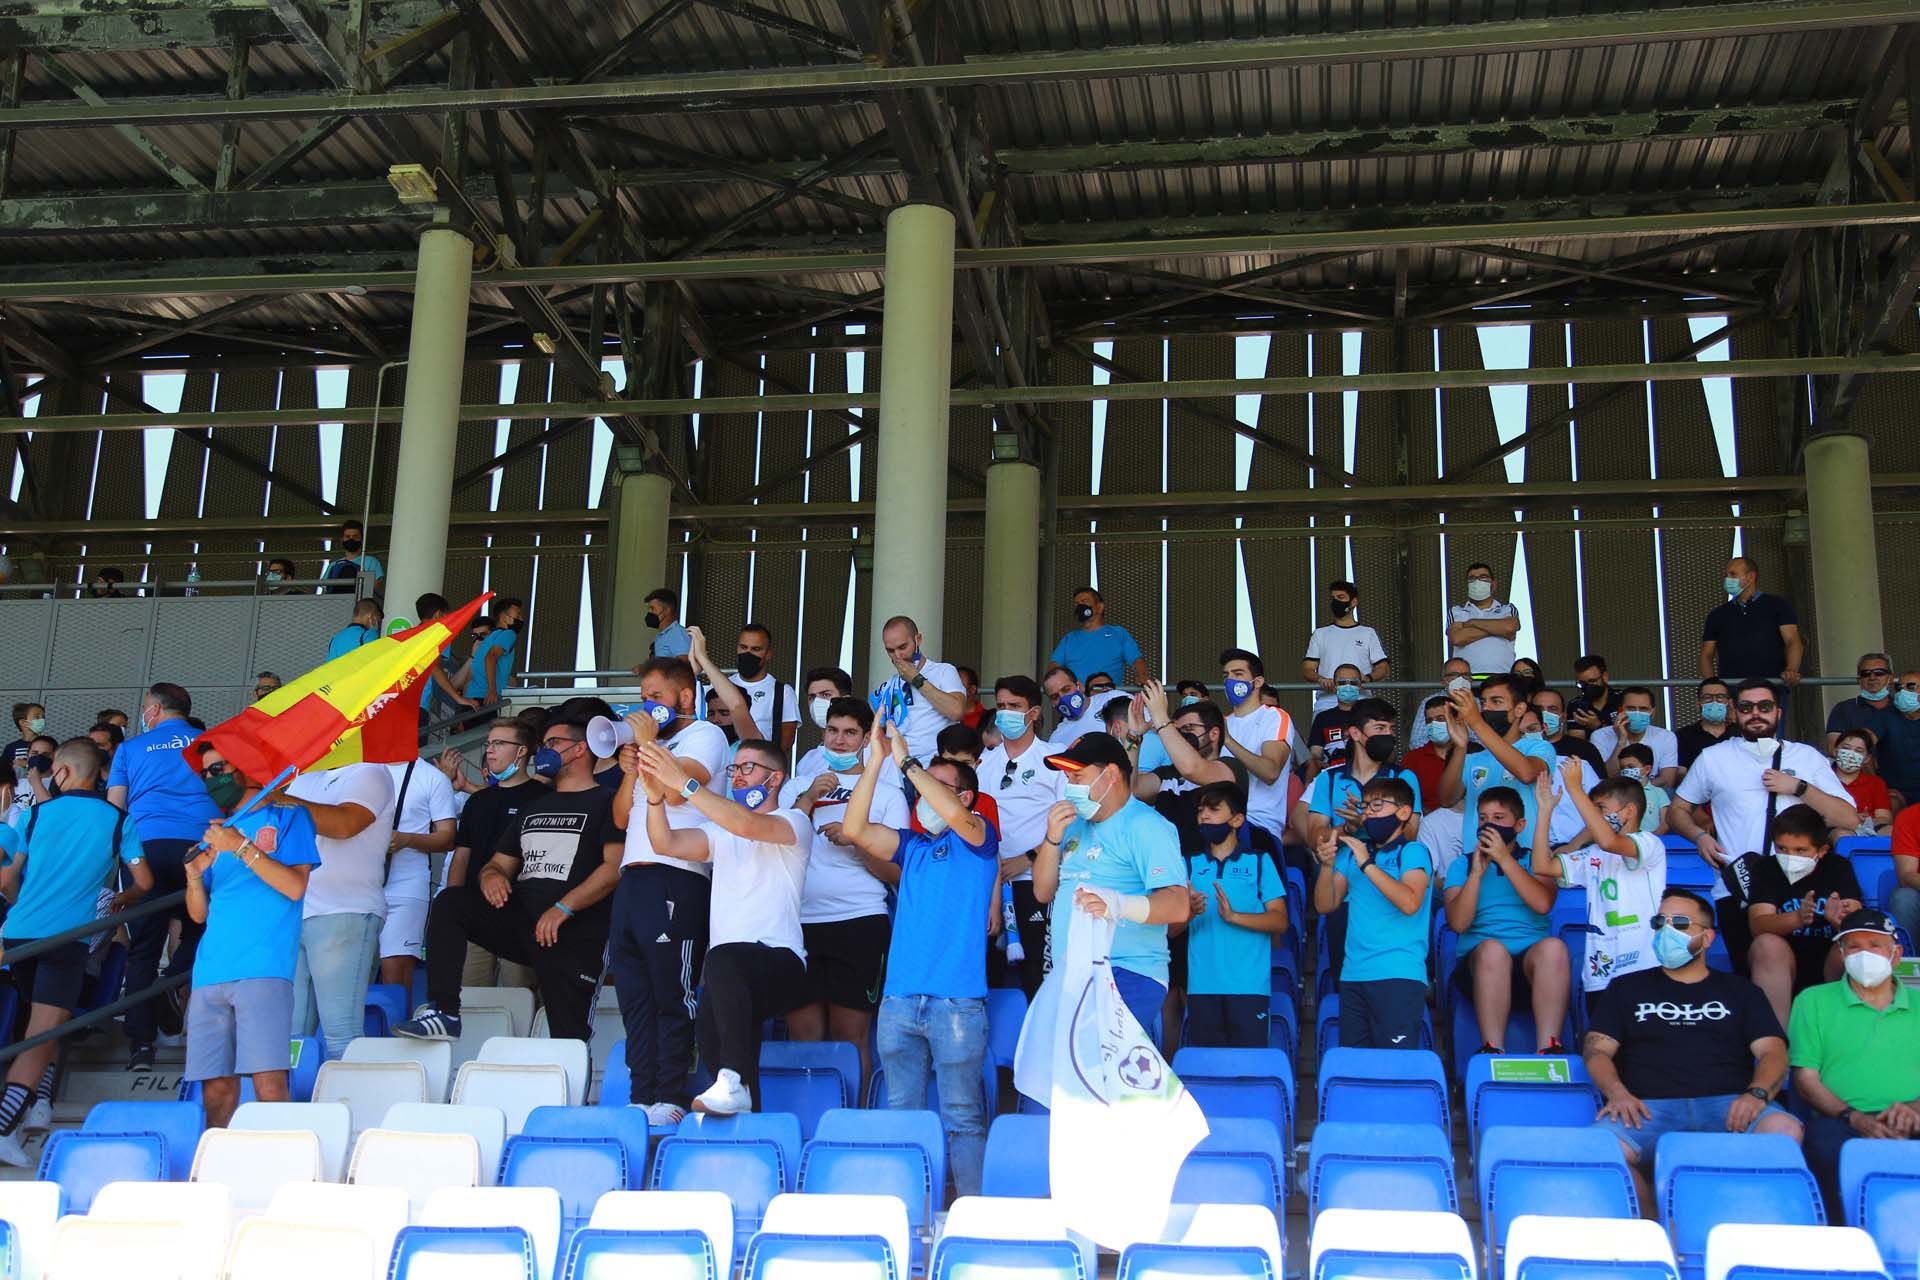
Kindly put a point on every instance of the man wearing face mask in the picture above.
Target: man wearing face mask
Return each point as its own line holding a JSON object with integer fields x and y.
{"x": 1482, "y": 629}
{"x": 1748, "y": 779}
{"x": 843, "y": 910}
{"x": 663, "y": 617}
{"x": 353, "y": 564}
{"x": 1076, "y": 711}
{"x": 106, "y": 585}
{"x": 1015, "y": 773}
{"x": 1684, "y": 1048}
{"x": 1095, "y": 647}
{"x": 1897, "y": 731}
{"x": 774, "y": 709}
{"x": 1753, "y": 635}
{"x": 1192, "y": 737}
{"x": 160, "y": 791}
{"x": 822, "y": 685}
{"x": 1343, "y": 641}
{"x": 1634, "y": 723}
{"x": 1327, "y": 738}
{"x": 279, "y": 573}
{"x": 1099, "y": 836}
{"x": 1551, "y": 706}
{"x": 1856, "y": 1052}
{"x": 1428, "y": 759}
{"x": 1506, "y": 756}
{"x": 491, "y": 666}
{"x": 490, "y": 813}
{"x": 364, "y": 629}
{"x": 1260, "y": 737}
{"x": 934, "y": 694}
{"x": 1715, "y": 723}
{"x": 1373, "y": 748}
{"x": 662, "y": 907}
{"x": 542, "y": 903}
{"x": 1597, "y": 702}
{"x": 1875, "y": 674}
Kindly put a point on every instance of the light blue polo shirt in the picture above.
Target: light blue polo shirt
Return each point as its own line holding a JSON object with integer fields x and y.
{"x": 1382, "y": 940}
{"x": 70, "y": 849}
{"x": 349, "y": 638}
{"x": 1088, "y": 653}
{"x": 944, "y": 882}
{"x": 253, "y": 930}
{"x": 1336, "y": 785}
{"x": 164, "y": 795}
{"x": 1481, "y": 770}
{"x": 1225, "y": 959}
{"x": 1501, "y": 914}
{"x": 1134, "y": 851}
{"x": 672, "y": 642}
{"x": 498, "y": 648}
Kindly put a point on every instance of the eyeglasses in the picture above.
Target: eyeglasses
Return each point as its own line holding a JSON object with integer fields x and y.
{"x": 735, "y": 770}
{"x": 1678, "y": 922}
{"x": 559, "y": 744}
{"x": 1875, "y": 672}
{"x": 216, "y": 770}
{"x": 502, "y": 742}
{"x": 1745, "y": 708}
{"x": 261, "y": 690}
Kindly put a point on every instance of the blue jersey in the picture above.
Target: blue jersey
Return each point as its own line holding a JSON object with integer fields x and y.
{"x": 1502, "y": 914}
{"x": 1134, "y": 851}
{"x": 1227, "y": 959}
{"x": 497, "y": 651}
{"x": 1382, "y": 940}
{"x": 1336, "y": 786}
{"x": 349, "y": 638}
{"x": 253, "y": 930}
{"x": 1482, "y": 770}
{"x": 70, "y": 843}
{"x": 164, "y": 795}
{"x": 1088, "y": 653}
{"x": 939, "y": 943}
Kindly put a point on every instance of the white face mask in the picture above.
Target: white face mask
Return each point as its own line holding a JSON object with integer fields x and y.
{"x": 817, "y": 708}
{"x": 1796, "y": 867}
{"x": 1869, "y": 968}
{"x": 1478, "y": 589}
{"x": 1763, "y": 748}
{"x": 1849, "y": 759}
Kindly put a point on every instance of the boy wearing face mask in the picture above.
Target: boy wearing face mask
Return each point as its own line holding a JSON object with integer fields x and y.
{"x": 30, "y": 718}
{"x": 1856, "y": 1051}
{"x": 1498, "y": 905}
{"x": 1795, "y": 901}
{"x": 491, "y": 666}
{"x": 1384, "y": 879}
{"x": 1623, "y": 870}
{"x": 1636, "y": 762}
{"x": 1684, "y": 1048}
{"x": 1238, "y": 902}
{"x": 1852, "y": 752}
{"x": 1373, "y": 745}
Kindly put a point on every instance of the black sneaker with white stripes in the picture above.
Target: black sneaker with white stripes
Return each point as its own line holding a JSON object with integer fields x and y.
{"x": 428, "y": 1023}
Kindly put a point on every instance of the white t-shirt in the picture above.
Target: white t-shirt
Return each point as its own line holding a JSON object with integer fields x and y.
{"x": 1024, "y": 788}
{"x": 1567, "y": 824}
{"x": 1440, "y": 831}
{"x": 757, "y": 886}
{"x": 924, "y": 721}
{"x": 703, "y": 744}
{"x": 1662, "y": 742}
{"x": 1489, "y": 655}
{"x": 351, "y": 877}
{"x": 1335, "y": 647}
{"x": 1727, "y": 776}
{"x": 1068, "y": 732}
{"x": 839, "y": 886}
{"x": 1266, "y": 801}
{"x": 1621, "y": 899}
{"x": 428, "y": 799}
{"x": 759, "y": 694}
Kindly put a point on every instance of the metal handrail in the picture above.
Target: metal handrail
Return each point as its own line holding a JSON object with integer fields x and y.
{"x": 1283, "y": 686}
{"x": 26, "y": 951}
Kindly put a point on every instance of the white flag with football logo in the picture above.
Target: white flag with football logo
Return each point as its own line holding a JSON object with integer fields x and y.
{"x": 1122, "y": 1123}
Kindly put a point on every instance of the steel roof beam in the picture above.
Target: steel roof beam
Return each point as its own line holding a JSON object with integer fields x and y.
{"x": 1279, "y": 52}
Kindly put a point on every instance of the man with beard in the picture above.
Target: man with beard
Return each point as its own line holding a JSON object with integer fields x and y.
{"x": 1749, "y": 778}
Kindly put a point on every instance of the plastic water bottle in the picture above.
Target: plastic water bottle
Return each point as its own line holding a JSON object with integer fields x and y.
{"x": 193, "y": 578}
{"x": 1010, "y": 926}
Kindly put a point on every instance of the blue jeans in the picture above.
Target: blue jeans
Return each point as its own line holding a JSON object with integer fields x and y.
{"x": 949, "y": 1037}
{"x": 1679, "y": 1115}
{"x": 1145, "y": 999}
{"x": 330, "y": 978}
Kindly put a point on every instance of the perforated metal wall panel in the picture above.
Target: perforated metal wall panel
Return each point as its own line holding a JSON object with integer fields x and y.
{"x": 205, "y": 641}
{"x": 728, "y": 443}
{"x": 1200, "y": 574}
{"x": 1552, "y": 564}
{"x": 1130, "y": 574}
{"x": 232, "y": 490}
{"x": 296, "y": 450}
{"x": 186, "y": 468}
{"x": 554, "y": 611}
{"x": 98, "y": 642}
{"x": 381, "y": 445}
{"x": 1278, "y": 554}
{"x": 1622, "y": 621}
{"x": 290, "y": 633}
{"x": 28, "y": 626}
{"x": 1330, "y": 447}
{"x": 969, "y": 432}
{"x": 826, "y": 599}
{"x": 1073, "y": 554}
{"x": 776, "y": 577}
{"x": 71, "y": 712}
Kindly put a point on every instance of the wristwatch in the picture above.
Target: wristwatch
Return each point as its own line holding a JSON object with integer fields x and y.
{"x": 919, "y": 681}
{"x": 1760, "y": 1093}
{"x": 1846, "y": 1116}
{"x": 693, "y": 785}
{"x": 1801, "y": 790}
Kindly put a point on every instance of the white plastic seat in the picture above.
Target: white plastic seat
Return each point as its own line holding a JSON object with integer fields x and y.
{"x": 516, "y": 1001}
{"x": 87, "y": 1248}
{"x": 791, "y": 1214}
{"x": 369, "y": 1088}
{"x": 435, "y": 1056}
{"x": 266, "y": 1248}
{"x": 378, "y": 1211}
{"x": 418, "y": 1163}
{"x": 708, "y": 1212}
{"x": 331, "y": 1122}
{"x": 1597, "y": 1240}
{"x": 1241, "y": 1225}
{"x": 537, "y": 1209}
{"x": 515, "y": 1088}
{"x": 485, "y": 1124}
{"x": 1770, "y": 1247}
{"x": 569, "y": 1055}
{"x": 608, "y": 1030}
{"x": 1393, "y": 1232}
{"x": 202, "y": 1210}
{"x": 1014, "y": 1218}
{"x": 253, "y": 1164}
{"x": 33, "y": 1208}
{"x": 477, "y": 1026}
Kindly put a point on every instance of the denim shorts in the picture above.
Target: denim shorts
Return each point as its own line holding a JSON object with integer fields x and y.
{"x": 1680, "y": 1115}
{"x": 239, "y": 1028}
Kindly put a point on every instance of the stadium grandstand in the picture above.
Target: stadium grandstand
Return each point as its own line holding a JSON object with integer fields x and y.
{"x": 1141, "y": 638}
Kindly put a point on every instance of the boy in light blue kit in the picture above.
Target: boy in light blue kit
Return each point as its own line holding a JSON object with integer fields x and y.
{"x": 1239, "y": 904}
{"x": 1387, "y": 882}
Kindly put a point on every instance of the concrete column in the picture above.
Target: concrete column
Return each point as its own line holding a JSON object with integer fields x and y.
{"x": 1846, "y": 568}
{"x": 639, "y": 563}
{"x": 910, "y": 485}
{"x": 1010, "y": 612}
{"x": 436, "y": 365}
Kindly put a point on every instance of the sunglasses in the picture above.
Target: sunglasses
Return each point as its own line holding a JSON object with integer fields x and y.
{"x": 1870, "y": 672}
{"x": 216, "y": 770}
{"x": 1678, "y": 922}
{"x": 1745, "y": 708}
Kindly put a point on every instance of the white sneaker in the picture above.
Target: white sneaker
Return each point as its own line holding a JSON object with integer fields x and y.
{"x": 166, "y": 1041}
{"x": 664, "y": 1115}
{"x": 726, "y": 1097}
{"x": 39, "y": 1117}
{"x": 13, "y": 1152}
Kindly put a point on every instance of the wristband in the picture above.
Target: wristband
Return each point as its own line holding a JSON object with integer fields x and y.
{"x": 1845, "y": 1117}
{"x": 1801, "y": 790}
{"x": 1134, "y": 907}
{"x": 563, "y": 909}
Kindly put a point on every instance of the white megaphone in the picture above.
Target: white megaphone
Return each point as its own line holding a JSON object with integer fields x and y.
{"x": 605, "y": 737}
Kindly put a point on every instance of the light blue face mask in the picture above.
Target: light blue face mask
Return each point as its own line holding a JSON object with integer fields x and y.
{"x": 1192, "y": 700}
{"x": 1637, "y": 721}
{"x": 1437, "y": 732}
{"x": 1346, "y": 692}
{"x": 841, "y": 761}
{"x": 1550, "y": 722}
{"x": 1732, "y": 585}
{"x": 1672, "y": 947}
{"x": 504, "y": 774}
{"x": 1011, "y": 724}
{"x": 930, "y": 820}
{"x": 1713, "y": 712}
{"x": 1874, "y": 695}
{"x": 1906, "y": 702}
{"x": 1081, "y": 798}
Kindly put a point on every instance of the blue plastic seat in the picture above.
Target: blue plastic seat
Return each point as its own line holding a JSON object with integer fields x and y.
{"x": 1225, "y": 1261}
{"x": 1240, "y": 1161}
{"x": 1016, "y": 1159}
{"x": 626, "y": 1125}
{"x": 1872, "y": 858}
{"x": 84, "y": 1162}
{"x": 876, "y": 1099}
{"x": 580, "y": 1169}
{"x": 1561, "y": 1173}
{"x": 1257, "y": 1083}
{"x": 856, "y": 1257}
{"x": 1006, "y": 1012}
{"x": 776, "y": 1127}
{"x": 1704, "y": 1179}
{"x": 180, "y": 1123}
{"x": 1283, "y": 1024}
{"x": 750, "y": 1171}
{"x": 1384, "y": 1086}
{"x": 958, "y": 1258}
{"x": 599, "y": 1251}
{"x": 1566, "y": 1100}
{"x": 1880, "y": 1189}
{"x": 808, "y": 1078}
{"x": 897, "y": 1153}
{"x": 432, "y": 1248}
{"x": 1326, "y": 1025}
{"x": 616, "y": 1083}
{"x": 386, "y": 1008}
{"x": 1371, "y": 1166}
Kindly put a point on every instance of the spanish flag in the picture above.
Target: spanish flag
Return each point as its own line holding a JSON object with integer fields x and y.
{"x": 352, "y": 710}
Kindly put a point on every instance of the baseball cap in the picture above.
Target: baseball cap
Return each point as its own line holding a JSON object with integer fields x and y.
{"x": 1092, "y": 749}
{"x": 1866, "y": 920}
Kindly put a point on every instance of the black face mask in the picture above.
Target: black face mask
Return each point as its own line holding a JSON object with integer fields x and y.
{"x": 653, "y": 620}
{"x": 350, "y": 545}
{"x": 1340, "y": 608}
{"x": 39, "y": 763}
{"x": 1498, "y": 721}
{"x": 1380, "y": 747}
{"x": 1083, "y": 613}
{"x": 1593, "y": 691}
{"x": 1197, "y": 741}
{"x": 748, "y": 664}
{"x": 1507, "y": 834}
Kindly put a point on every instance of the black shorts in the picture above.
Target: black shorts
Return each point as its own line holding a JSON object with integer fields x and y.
{"x": 53, "y": 977}
{"x": 847, "y": 961}
{"x": 1227, "y": 1022}
{"x": 1382, "y": 1014}
{"x": 1177, "y": 962}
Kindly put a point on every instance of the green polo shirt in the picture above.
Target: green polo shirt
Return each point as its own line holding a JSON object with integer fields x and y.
{"x": 1869, "y": 1057}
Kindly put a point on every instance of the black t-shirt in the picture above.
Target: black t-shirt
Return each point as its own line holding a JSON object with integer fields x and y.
{"x": 1581, "y": 749}
{"x": 1832, "y": 876}
{"x": 1177, "y": 802}
{"x": 487, "y": 816}
{"x": 1748, "y": 636}
{"x": 1694, "y": 739}
{"x": 610, "y": 778}
{"x": 1606, "y": 709}
{"x": 560, "y": 839}
{"x": 1684, "y": 1039}
{"x": 1329, "y": 733}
